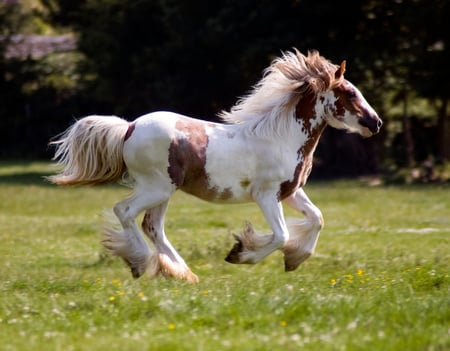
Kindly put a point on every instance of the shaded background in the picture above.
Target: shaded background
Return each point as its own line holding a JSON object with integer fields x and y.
{"x": 64, "y": 59}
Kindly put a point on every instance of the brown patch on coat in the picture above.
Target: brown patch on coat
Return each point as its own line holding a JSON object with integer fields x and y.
{"x": 130, "y": 130}
{"x": 245, "y": 183}
{"x": 346, "y": 100}
{"x": 147, "y": 225}
{"x": 225, "y": 194}
{"x": 305, "y": 113}
{"x": 187, "y": 161}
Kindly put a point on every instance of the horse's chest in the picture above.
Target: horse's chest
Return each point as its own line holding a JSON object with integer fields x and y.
{"x": 304, "y": 165}
{"x": 298, "y": 179}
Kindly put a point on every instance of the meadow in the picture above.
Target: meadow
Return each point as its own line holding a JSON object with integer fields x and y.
{"x": 380, "y": 278}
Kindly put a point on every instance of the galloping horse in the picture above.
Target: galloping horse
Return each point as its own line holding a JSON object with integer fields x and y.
{"x": 262, "y": 152}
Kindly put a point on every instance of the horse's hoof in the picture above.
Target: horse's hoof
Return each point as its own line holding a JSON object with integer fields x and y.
{"x": 290, "y": 267}
{"x": 233, "y": 256}
{"x": 136, "y": 272}
{"x": 291, "y": 262}
{"x": 190, "y": 277}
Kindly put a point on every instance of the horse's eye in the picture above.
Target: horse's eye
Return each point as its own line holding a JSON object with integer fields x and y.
{"x": 351, "y": 94}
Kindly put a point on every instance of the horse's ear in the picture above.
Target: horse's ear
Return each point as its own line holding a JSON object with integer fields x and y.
{"x": 341, "y": 70}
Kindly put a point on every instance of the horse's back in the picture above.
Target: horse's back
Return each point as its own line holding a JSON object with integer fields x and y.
{"x": 160, "y": 120}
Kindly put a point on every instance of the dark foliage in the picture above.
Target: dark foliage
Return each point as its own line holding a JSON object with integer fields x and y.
{"x": 197, "y": 57}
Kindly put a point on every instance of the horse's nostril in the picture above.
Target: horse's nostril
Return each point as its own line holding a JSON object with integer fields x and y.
{"x": 379, "y": 123}
{"x": 373, "y": 123}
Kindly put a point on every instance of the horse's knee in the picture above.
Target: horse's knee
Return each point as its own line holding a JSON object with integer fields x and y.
{"x": 316, "y": 219}
{"x": 119, "y": 210}
{"x": 122, "y": 211}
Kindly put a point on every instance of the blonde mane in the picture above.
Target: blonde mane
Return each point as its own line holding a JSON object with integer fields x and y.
{"x": 266, "y": 110}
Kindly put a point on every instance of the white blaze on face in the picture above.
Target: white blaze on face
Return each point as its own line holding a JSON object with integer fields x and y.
{"x": 360, "y": 108}
{"x": 364, "y": 105}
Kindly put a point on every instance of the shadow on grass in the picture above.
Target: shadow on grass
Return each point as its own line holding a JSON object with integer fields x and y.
{"x": 28, "y": 173}
{"x": 25, "y": 172}
{"x": 104, "y": 259}
{"x": 25, "y": 178}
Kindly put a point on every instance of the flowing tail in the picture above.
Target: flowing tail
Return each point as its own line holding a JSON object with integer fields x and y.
{"x": 91, "y": 151}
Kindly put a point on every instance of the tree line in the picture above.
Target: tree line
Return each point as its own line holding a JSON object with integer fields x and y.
{"x": 63, "y": 59}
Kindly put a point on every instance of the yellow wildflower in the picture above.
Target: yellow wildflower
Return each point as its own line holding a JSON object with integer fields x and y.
{"x": 142, "y": 296}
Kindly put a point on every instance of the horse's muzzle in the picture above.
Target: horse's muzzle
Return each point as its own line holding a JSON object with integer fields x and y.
{"x": 371, "y": 122}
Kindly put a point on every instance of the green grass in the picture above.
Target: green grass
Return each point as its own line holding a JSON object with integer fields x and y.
{"x": 379, "y": 279}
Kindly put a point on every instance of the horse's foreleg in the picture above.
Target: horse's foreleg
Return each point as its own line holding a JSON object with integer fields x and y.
{"x": 129, "y": 243}
{"x": 252, "y": 247}
{"x": 165, "y": 260}
{"x": 303, "y": 233}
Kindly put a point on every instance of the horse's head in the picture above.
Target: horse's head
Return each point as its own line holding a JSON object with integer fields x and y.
{"x": 346, "y": 108}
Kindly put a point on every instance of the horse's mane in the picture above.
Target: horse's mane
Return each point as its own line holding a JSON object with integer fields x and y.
{"x": 265, "y": 110}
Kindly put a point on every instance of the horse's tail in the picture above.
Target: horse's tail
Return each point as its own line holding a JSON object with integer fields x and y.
{"x": 91, "y": 151}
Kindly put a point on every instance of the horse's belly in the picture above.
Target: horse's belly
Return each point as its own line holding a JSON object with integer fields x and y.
{"x": 199, "y": 158}
{"x": 207, "y": 190}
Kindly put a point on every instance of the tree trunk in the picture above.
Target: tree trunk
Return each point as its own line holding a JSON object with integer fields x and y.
{"x": 443, "y": 128}
{"x": 408, "y": 138}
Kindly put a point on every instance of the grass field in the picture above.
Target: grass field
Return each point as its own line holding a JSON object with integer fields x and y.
{"x": 378, "y": 281}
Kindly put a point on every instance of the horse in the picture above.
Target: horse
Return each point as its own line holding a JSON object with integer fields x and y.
{"x": 261, "y": 151}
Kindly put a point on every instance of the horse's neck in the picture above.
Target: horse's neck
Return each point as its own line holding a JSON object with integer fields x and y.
{"x": 298, "y": 128}
{"x": 311, "y": 120}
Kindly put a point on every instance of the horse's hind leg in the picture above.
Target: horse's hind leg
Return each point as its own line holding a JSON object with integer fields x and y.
{"x": 165, "y": 260}
{"x": 129, "y": 242}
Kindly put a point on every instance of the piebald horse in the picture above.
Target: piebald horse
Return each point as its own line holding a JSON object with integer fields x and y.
{"x": 262, "y": 152}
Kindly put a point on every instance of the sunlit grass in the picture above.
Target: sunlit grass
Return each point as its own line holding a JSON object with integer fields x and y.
{"x": 379, "y": 279}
